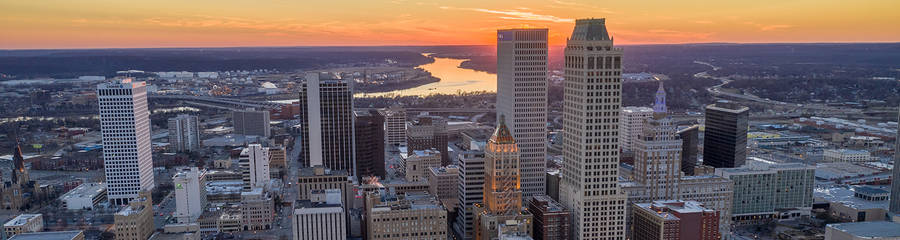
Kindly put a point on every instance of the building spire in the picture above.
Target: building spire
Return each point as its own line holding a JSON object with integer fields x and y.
{"x": 659, "y": 106}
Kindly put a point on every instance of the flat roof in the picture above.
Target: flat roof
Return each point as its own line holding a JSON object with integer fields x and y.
{"x": 21, "y": 220}
{"x": 869, "y": 229}
{"x": 845, "y": 196}
{"x": 64, "y": 235}
{"x": 85, "y": 190}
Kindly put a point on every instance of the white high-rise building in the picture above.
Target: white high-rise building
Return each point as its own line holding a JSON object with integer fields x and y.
{"x": 470, "y": 192}
{"x": 632, "y": 122}
{"x": 321, "y": 217}
{"x": 589, "y": 184}
{"x": 125, "y": 126}
{"x": 184, "y": 133}
{"x": 394, "y": 125}
{"x": 255, "y": 166}
{"x": 522, "y": 98}
{"x": 190, "y": 194}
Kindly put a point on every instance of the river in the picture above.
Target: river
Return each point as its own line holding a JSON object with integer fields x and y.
{"x": 453, "y": 80}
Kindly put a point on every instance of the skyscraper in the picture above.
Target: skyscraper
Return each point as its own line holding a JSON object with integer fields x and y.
{"x": 725, "y": 135}
{"x": 190, "y": 194}
{"x": 470, "y": 192}
{"x": 657, "y": 150}
{"x": 690, "y": 141}
{"x": 895, "y": 185}
{"x": 522, "y": 98}
{"x": 502, "y": 202}
{"x": 184, "y": 133}
{"x": 125, "y": 126}
{"x": 394, "y": 125}
{"x": 251, "y": 122}
{"x": 326, "y": 113}
{"x": 254, "y": 161}
{"x": 369, "y": 143}
{"x": 593, "y": 80}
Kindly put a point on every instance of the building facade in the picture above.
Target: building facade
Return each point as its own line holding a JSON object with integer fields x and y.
{"x": 412, "y": 217}
{"x": 631, "y": 125}
{"x": 24, "y": 223}
{"x": 551, "y": 220}
{"x": 251, "y": 122}
{"x": 84, "y": 197}
{"x": 416, "y": 165}
{"x": 690, "y": 142}
{"x": 675, "y": 219}
{"x": 321, "y": 218}
{"x": 394, "y": 125}
{"x": 847, "y": 155}
{"x": 522, "y": 98}
{"x": 135, "y": 221}
{"x": 765, "y": 191}
{"x": 502, "y": 203}
{"x": 254, "y": 162}
{"x": 190, "y": 194}
{"x": 428, "y": 132}
{"x": 184, "y": 133}
{"x": 125, "y": 126}
{"x": 657, "y": 153}
{"x": 326, "y": 116}
{"x": 444, "y": 184}
{"x": 469, "y": 192}
{"x": 369, "y": 143}
{"x": 257, "y": 210}
{"x": 593, "y": 80}
{"x": 725, "y": 135}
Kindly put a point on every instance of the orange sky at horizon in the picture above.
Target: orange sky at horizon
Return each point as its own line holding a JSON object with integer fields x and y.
{"x": 234, "y": 23}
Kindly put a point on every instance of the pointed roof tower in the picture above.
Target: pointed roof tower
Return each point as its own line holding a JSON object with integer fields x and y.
{"x": 659, "y": 106}
{"x": 18, "y": 165}
{"x": 501, "y": 134}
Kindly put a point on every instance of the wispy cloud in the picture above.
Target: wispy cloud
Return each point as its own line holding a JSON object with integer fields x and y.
{"x": 520, "y": 14}
{"x": 703, "y": 22}
{"x": 769, "y": 27}
{"x": 576, "y": 5}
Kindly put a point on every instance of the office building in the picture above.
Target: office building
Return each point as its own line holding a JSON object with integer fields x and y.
{"x": 444, "y": 184}
{"x": 863, "y": 231}
{"x": 251, "y": 122}
{"x": 184, "y": 133}
{"x": 632, "y": 122}
{"x": 764, "y": 191}
{"x": 277, "y": 158}
{"x": 675, "y": 219}
{"x": 502, "y": 192}
{"x": 657, "y": 152}
{"x": 320, "y": 218}
{"x": 895, "y": 185}
{"x": 416, "y": 165}
{"x": 321, "y": 178}
{"x": 257, "y": 210}
{"x": 428, "y": 132}
{"x": 326, "y": 116}
{"x": 84, "y": 197}
{"x": 125, "y": 126}
{"x": 24, "y": 223}
{"x": 254, "y": 162}
{"x": 369, "y": 143}
{"x": 690, "y": 150}
{"x": 725, "y": 135}
{"x": 394, "y": 125}
{"x": 64, "y": 235}
{"x": 470, "y": 192}
{"x": 135, "y": 221}
{"x": 714, "y": 192}
{"x": 190, "y": 194}
{"x": 846, "y": 155}
{"x": 553, "y": 184}
{"x": 860, "y": 203}
{"x": 522, "y": 98}
{"x": 593, "y": 80}
{"x": 551, "y": 220}
{"x": 412, "y": 216}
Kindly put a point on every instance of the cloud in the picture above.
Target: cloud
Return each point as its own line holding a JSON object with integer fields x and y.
{"x": 769, "y": 27}
{"x": 516, "y": 14}
{"x": 703, "y": 22}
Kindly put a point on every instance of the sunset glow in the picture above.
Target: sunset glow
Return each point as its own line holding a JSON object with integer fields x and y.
{"x": 203, "y": 23}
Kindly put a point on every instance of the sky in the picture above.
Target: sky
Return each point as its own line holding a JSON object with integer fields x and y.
{"x": 40, "y": 24}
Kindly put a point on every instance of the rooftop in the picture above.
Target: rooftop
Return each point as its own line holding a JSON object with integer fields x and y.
{"x": 65, "y": 235}
{"x": 845, "y": 196}
{"x": 21, "y": 220}
{"x": 590, "y": 30}
{"x": 869, "y": 229}
{"x": 85, "y": 190}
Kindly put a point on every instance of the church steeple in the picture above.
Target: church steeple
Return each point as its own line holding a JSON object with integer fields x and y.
{"x": 19, "y": 174}
{"x": 659, "y": 106}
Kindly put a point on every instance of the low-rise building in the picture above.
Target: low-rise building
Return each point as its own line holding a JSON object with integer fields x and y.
{"x": 863, "y": 231}
{"x": 64, "y": 235}
{"x": 551, "y": 219}
{"x": 675, "y": 219}
{"x": 443, "y": 183}
{"x": 764, "y": 190}
{"x": 847, "y": 155}
{"x": 854, "y": 203}
{"x": 257, "y": 210}
{"x": 135, "y": 221}
{"x": 416, "y": 165}
{"x": 320, "y": 218}
{"x": 24, "y": 223}
{"x": 84, "y": 197}
{"x": 413, "y": 216}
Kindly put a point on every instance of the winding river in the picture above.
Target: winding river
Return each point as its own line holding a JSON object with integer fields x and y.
{"x": 453, "y": 80}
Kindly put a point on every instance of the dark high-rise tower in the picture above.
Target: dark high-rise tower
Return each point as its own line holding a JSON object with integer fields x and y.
{"x": 326, "y": 116}
{"x": 725, "y": 135}
{"x": 369, "y": 143}
{"x": 690, "y": 140}
{"x": 426, "y": 133}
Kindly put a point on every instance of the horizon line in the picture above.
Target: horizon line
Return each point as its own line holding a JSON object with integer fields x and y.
{"x": 440, "y": 45}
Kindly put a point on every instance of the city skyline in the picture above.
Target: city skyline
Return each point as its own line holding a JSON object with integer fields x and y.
{"x": 95, "y": 24}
